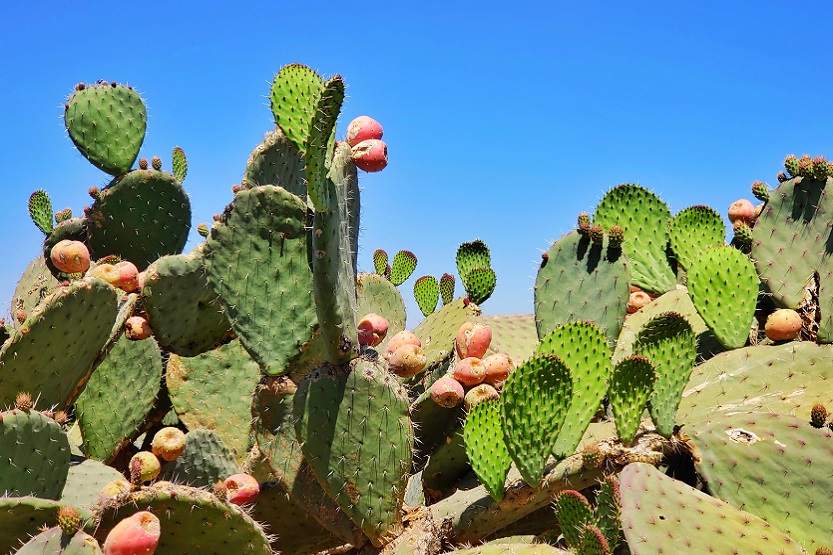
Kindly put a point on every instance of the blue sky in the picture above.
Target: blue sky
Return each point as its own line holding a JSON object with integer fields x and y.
{"x": 503, "y": 120}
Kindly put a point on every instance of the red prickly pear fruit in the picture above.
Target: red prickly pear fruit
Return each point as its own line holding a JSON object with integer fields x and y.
{"x": 742, "y": 210}
{"x": 637, "y": 300}
{"x": 473, "y": 340}
{"x": 478, "y": 394}
{"x": 144, "y": 467}
{"x": 137, "y": 534}
{"x": 241, "y": 489}
{"x": 128, "y": 279}
{"x": 407, "y": 361}
{"x": 404, "y": 337}
{"x": 498, "y": 366}
{"x": 470, "y": 371}
{"x": 447, "y": 392}
{"x": 363, "y": 128}
{"x": 372, "y": 330}
{"x": 70, "y": 257}
{"x": 783, "y": 325}
{"x": 370, "y": 155}
{"x": 168, "y": 443}
{"x": 137, "y": 328}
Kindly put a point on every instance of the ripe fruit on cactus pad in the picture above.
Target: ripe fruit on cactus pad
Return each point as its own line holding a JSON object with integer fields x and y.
{"x": 470, "y": 371}
{"x": 480, "y": 393}
{"x": 138, "y": 534}
{"x": 404, "y": 337}
{"x": 168, "y": 443}
{"x": 447, "y": 392}
{"x": 70, "y": 256}
{"x": 241, "y": 489}
{"x": 783, "y": 325}
{"x": 742, "y": 210}
{"x": 498, "y": 366}
{"x": 370, "y": 155}
{"x": 372, "y": 330}
{"x": 473, "y": 340}
{"x": 363, "y": 128}
{"x": 137, "y": 328}
{"x": 407, "y": 361}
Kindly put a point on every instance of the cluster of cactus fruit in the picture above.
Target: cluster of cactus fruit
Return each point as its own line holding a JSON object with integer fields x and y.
{"x": 260, "y": 394}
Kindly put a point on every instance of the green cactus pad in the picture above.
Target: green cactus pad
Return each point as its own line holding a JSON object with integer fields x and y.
{"x": 205, "y": 461}
{"x": 574, "y": 515}
{"x": 471, "y": 255}
{"x": 494, "y": 548}
{"x": 179, "y": 163}
{"x": 257, "y": 261}
{"x": 512, "y": 334}
{"x": 54, "y": 542}
{"x": 34, "y": 285}
{"x": 535, "y": 400}
{"x": 439, "y": 330}
{"x": 213, "y": 391}
{"x": 694, "y": 230}
{"x": 23, "y": 517}
{"x": 403, "y": 265}
{"x": 74, "y": 229}
{"x": 376, "y": 294}
{"x": 380, "y": 262}
{"x": 749, "y": 460}
{"x": 447, "y": 288}
{"x": 485, "y": 448}
{"x": 449, "y": 463}
{"x": 669, "y": 343}
{"x": 790, "y": 245}
{"x": 645, "y": 218}
{"x": 294, "y": 96}
{"x": 724, "y": 288}
{"x": 182, "y": 308}
{"x": 427, "y": 294}
{"x": 357, "y": 436}
{"x": 581, "y": 281}
{"x": 659, "y": 512}
{"x": 40, "y": 210}
{"x": 85, "y": 482}
{"x": 582, "y": 347}
{"x": 52, "y": 352}
{"x": 608, "y": 510}
{"x": 276, "y": 161}
{"x": 480, "y": 284}
{"x": 318, "y": 147}
{"x": 630, "y": 388}
{"x": 35, "y": 457}
{"x": 107, "y": 124}
{"x": 139, "y": 217}
{"x": 118, "y": 397}
{"x": 192, "y": 521}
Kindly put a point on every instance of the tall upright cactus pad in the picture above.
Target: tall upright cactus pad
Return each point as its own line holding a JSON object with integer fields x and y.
{"x": 107, "y": 123}
{"x": 724, "y": 289}
{"x": 535, "y": 401}
{"x": 750, "y": 460}
{"x": 447, "y": 288}
{"x": 403, "y": 265}
{"x": 694, "y": 230}
{"x": 376, "y": 294}
{"x": 139, "y": 217}
{"x": 276, "y": 161}
{"x": 318, "y": 147}
{"x": 52, "y": 352}
{"x": 630, "y": 388}
{"x": 583, "y": 348}
{"x": 659, "y": 513}
{"x": 40, "y": 210}
{"x": 256, "y": 259}
{"x": 474, "y": 266}
{"x": 357, "y": 436}
{"x": 427, "y": 294}
{"x": 34, "y": 285}
{"x": 179, "y": 163}
{"x": 35, "y": 458}
{"x": 645, "y": 218}
{"x": 791, "y": 243}
{"x": 294, "y": 97}
{"x": 486, "y": 450}
{"x": 579, "y": 280}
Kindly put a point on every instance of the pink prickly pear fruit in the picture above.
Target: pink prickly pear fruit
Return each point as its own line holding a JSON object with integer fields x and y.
{"x": 70, "y": 257}
{"x": 168, "y": 443}
{"x": 473, "y": 340}
{"x": 137, "y": 328}
{"x": 137, "y": 534}
{"x": 372, "y": 330}
{"x": 478, "y": 394}
{"x": 742, "y": 210}
{"x": 141, "y": 280}
{"x": 470, "y": 371}
{"x": 637, "y": 300}
{"x": 144, "y": 467}
{"x": 404, "y": 337}
{"x": 407, "y": 361}
{"x": 498, "y": 366}
{"x": 783, "y": 325}
{"x": 370, "y": 155}
{"x": 363, "y": 128}
{"x": 241, "y": 489}
{"x": 128, "y": 279}
{"x": 447, "y": 392}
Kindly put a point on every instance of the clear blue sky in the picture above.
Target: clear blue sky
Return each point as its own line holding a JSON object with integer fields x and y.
{"x": 503, "y": 120}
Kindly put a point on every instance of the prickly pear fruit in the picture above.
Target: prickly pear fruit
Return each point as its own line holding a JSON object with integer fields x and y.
{"x": 114, "y": 488}
{"x": 69, "y": 519}
{"x": 818, "y": 415}
{"x": 128, "y": 279}
{"x": 637, "y": 300}
{"x": 473, "y": 340}
{"x": 372, "y": 329}
{"x": 363, "y": 128}
{"x": 407, "y": 361}
{"x": 370, "y": 155}
{"x": 742, "y": 210}
{"x": 447, "y": 392}
{"x": 144, "y": 467}
{"x": 783, "y": 325}
{"x": 404, "y": 337}
{"x": 137, "y": 328}
{"x": 241, "y": 489}
{"x": 480, "y": 393}
{"x": 137, "y": 534}
{"x": 70, "y": 256}
{"x": 470, "y": 371}
{"x": 168, "y": 443}
{"x": 498, "y": 366}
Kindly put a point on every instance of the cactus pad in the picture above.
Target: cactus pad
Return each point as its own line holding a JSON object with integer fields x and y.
{"x": 295, "y": 93}
{"x": 447, "y": 288}
{"x": 35, "y": 457}
{"x": 40, "y": 210}
{"x": 276, "y": 161}
{"x": 376, "y": 294}
{"x": 630, "y": 388}
{"x": 427, "y": 294}
{"x": 694, "y": 230}
{"x": 485, "y": 448}
{"x": 403, "y": 265}
{"x": 179, "y": 163}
